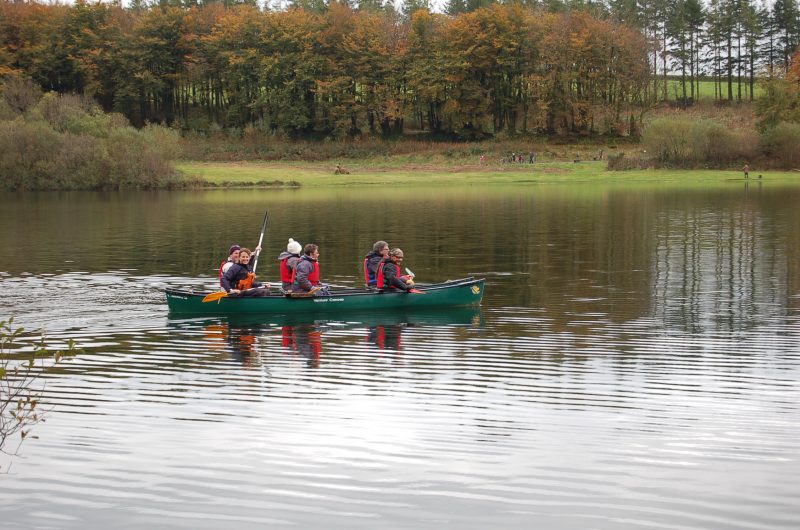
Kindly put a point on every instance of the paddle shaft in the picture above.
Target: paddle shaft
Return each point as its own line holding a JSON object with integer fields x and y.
{"x": 261, "y": 238}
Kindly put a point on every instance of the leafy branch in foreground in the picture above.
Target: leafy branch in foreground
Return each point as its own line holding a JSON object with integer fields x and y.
{"x": 20, "y": 393}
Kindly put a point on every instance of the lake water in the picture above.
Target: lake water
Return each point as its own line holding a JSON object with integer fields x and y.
{"x": 635, "y": 363}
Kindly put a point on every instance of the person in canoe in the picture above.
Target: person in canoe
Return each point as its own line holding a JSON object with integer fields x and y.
{"x": 287, "y": 262}
{"x": 233, "y": 257}
{"x": 389, "y": 276}
{"x": 305, "y": 278}
{"x": 239, "y": 280}
{"x": 380, "y": 251}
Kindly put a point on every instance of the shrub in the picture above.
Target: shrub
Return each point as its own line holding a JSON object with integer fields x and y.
{"x": 20, "y": 93}
{"x": 67, "y": 142}
{"x": 781, "y": 142}
{"x": 620, "y": 162}
{"x": 704, "y": 142}
{"x": 667, "y": 140}
{"x": 28, "y": 154}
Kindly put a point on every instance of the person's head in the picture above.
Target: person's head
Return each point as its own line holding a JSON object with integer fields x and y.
{"x": 396, "y": 255}
{"x": 233, "y": 252}
{"x": 381, "y": 247}
{"x": 311, "y": 250}
{"x": 293, "y": 247}
{"x": 244, "y": 256}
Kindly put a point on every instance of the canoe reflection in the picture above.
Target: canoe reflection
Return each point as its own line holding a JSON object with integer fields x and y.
{"x": 245, "y": 339}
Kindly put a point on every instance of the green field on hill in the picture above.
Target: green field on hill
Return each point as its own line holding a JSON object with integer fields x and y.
{"x": 707, "y": 90}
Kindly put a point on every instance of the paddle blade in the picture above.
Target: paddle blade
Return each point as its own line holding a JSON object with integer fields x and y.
{"x": 408, "y": 271}
{"x": 416, "y": 291}
{"x": 213, "y": 297}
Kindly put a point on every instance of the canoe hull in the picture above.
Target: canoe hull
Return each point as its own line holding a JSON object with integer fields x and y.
{"x": 458, "y": 293}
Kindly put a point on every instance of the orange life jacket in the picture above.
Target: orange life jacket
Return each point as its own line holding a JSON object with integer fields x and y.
{"x": 247, "y": 282}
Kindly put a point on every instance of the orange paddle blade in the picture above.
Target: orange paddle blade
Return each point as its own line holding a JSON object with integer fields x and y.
{"x": 213, "y": 297}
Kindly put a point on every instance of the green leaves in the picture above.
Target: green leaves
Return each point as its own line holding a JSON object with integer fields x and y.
{"x": 20, "y": 389}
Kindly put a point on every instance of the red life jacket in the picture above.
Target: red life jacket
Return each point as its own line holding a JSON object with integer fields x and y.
{"x": 366, "y": 272}
{"x": 313, "y": 277}
{"x": 380, "y": 280}
{"x": 286, "y": 274}
{"x": 220, "y": 268}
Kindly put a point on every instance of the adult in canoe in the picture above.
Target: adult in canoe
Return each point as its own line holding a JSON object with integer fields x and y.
{"x": 233, "y": 257}
{"x": 288, "y": 261}
{"x": 380, "y": 251}
{"x": 389, "y": 276}
{"x": 305, "y": 278}
{"x": 239, "y": 280}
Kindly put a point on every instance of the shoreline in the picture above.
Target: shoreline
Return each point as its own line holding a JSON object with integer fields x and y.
{"x": 362, "y": 173}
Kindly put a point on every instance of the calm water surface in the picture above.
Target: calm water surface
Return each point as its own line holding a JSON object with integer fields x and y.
{"x": 635, "y": 363}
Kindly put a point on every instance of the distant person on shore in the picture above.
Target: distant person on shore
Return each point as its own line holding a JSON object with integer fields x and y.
{"x": 380, "y": 251}
{"x": 239, "y": 279}
{"x": 532, "y": 157}
{"x": 746, "y": 170}
{"x": 287, "y": 262}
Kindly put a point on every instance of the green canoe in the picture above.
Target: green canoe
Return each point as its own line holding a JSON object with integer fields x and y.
{"x": 456, "y": 293}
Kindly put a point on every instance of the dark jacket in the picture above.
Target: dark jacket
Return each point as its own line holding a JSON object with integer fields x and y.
{"x": 303, "y": 269}
{"x": 374, "y": 260}
{"x": 391, "y": 276}
{"x": 236, "y": 273}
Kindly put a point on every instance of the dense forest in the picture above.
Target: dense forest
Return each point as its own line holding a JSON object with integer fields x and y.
{"x": 318, "y": 69}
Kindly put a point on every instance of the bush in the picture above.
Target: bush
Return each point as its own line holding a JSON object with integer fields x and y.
{"x": 28, "y": 154}
{"x": 781, "y": 142}
{"x": 620, "y": 162}
{"x": 67, "y": 142}
{"x": 667, "y": 140}
{"x": 19, "y": 94}
{"x": 691, "y": 143}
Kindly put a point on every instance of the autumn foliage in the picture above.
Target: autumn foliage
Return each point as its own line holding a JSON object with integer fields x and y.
{"x": 337, "y": 73}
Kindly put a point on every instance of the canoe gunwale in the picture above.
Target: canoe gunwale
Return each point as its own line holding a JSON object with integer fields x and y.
{"x": 344, "y": 292}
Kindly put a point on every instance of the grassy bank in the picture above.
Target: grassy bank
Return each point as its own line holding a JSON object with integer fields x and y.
{"x": 366, "y": 173}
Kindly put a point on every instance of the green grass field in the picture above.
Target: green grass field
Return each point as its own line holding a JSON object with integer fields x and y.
{"x": 365, "y": 174}
{"x": 706, "y": 90}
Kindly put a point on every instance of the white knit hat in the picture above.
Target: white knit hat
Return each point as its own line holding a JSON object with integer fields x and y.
{"x": 294, "y": 247}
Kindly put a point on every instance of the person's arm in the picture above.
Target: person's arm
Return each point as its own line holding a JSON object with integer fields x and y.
{"x": 226, "y": 279}
{"x": 229, "y": 278}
